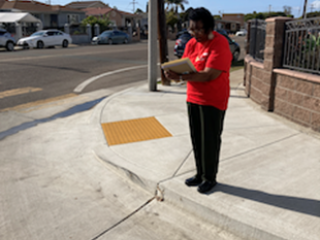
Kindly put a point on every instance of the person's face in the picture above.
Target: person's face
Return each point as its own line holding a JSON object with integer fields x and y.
{"x": 197, "y": 31}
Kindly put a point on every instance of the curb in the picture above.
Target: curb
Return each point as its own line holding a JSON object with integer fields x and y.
{"x": 236, "y": 227}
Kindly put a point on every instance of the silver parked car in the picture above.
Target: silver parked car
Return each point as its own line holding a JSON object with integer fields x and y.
{"x": 6, "y": 40}
{"x": 110, "y": 37}
{"x": 46, "y": 38}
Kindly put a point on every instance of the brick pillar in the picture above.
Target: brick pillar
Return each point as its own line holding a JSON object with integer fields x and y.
{"x": 273, "y": 56}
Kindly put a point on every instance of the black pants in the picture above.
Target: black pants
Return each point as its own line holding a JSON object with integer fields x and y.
{"x": 206, "y": 125}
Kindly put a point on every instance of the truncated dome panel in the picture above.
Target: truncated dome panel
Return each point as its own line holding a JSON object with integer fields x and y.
{"x": 134, "y": 130}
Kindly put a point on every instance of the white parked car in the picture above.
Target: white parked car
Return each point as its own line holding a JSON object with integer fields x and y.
{"x": 242, "y": 32}
{"x": 6, "y": 40}
{"x": 46, "y": 38}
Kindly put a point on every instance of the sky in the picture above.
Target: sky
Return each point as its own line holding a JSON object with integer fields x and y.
{"x": 215, "y": 6}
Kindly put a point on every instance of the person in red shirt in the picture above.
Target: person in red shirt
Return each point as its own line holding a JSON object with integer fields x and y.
{"x": 208, "y": 92}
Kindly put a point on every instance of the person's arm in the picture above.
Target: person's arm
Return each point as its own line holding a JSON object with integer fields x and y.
{"x": 206, "y": 75}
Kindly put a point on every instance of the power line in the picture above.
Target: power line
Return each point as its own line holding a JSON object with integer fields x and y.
{"x": 134, "y": 2}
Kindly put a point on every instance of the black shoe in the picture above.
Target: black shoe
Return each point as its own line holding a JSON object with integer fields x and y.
{"x": 206, "y": 186}
{"x": 193, "y": 181}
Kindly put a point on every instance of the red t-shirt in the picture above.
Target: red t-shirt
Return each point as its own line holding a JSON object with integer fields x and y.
{"x": 214, "y": 54}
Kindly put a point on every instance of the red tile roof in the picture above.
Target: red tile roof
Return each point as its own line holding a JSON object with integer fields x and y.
{"x": 84, "y": 4}
{"x": 34, "y": 6}
{"x": 97, "y": 11}
{"x": 106, "y": 10}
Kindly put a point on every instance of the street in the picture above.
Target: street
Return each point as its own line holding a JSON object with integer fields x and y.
{"x": 40, "y": 74}
{"x": 57, "y": 72}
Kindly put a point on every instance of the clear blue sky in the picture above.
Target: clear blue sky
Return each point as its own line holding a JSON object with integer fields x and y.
{"x": 224, "y": 6}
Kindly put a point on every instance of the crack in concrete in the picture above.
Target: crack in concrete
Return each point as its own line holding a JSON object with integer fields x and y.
{"x": 124, "y": 219}
{"x": 257, "y": 148}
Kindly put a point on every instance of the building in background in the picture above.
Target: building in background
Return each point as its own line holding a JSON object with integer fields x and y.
{"x": 118, "y": 18}
{"x": 51, "y": 16}
{"x": 99, "y": 9}
{"x": 86, "y": 4}
{"x": 235, "y": 18}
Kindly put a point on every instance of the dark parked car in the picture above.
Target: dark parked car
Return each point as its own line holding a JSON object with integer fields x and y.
{"x": 181, "y": 43}
{"x": 6, "y": 40}
{"x": 184, "y": 36}
{"x": 110, "y": 37}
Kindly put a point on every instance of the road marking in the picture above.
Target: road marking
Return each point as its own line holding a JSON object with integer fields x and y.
{"x": 18, "y": 91}
{"x": 35, "y": 105}
{"x": 82, "y": 85}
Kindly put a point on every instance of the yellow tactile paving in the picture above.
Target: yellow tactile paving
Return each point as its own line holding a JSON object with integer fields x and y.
{"x": 18, "y": 91}
{"x": 135, "y": 130}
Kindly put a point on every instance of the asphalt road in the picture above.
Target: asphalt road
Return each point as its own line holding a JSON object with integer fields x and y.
{"x": 58, "y": 71}
{"x": 28, "y": 76}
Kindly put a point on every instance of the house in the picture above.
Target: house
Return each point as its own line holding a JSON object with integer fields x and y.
{"x": 235, "y": 18}
{"x": 86, "y": 4}
{"x": 143, "y": 20}
{"x": 118, "y": 18}
{"x": 19, "y": 23}
{"x": 52, "y": 16}
{"x": 99, "y": 9}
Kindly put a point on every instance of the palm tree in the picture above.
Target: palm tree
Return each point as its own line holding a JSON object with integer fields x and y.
{"x": 175, "y": 5}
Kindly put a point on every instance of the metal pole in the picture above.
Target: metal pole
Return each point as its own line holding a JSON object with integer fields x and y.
{"x": 163, "y": 46}
{"x": 305, "y": 9}
{"x": 152, "y": 45}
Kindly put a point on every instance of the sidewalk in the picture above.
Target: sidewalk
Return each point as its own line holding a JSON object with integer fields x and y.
{"x": 268, "y": 179}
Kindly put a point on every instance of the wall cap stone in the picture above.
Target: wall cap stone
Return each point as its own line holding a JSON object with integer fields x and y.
{"x": 250, "y": 60}
{"x": 273, "y": 19}
{"x": 301, "y": 75}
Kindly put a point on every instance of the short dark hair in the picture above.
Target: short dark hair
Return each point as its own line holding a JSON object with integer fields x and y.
{"x": 203, "y": 15}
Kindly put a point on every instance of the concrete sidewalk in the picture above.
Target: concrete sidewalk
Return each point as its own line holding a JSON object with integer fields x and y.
{"x": 268, "y": 179}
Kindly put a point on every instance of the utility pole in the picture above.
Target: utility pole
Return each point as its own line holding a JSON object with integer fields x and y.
{"x": 269, "y": 9}
{"x": 305, "y": 9}
{"x": 152, "y": 46}
{"x": 163, "y": 45}
{"x": 133, "y": 3}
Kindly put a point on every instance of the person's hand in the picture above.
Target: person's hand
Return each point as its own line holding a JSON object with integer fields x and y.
{"x": 172, "y": 75}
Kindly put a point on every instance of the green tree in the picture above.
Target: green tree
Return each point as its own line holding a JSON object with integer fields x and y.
{"x": 184, "y": 16}
{"x": 313, "y": 14}
{"x": 174, "y": 5}
{"x": 103, "y": 22}
{"x": 287, "y": 10}
{"x": 92, "y": 20}
{"x": 264, "y": 15}
{"x": 172, "y": 16}
{"x": 138, "y": 10}
{"x": 217, "y": 17}
{"x": 171, "y": 19}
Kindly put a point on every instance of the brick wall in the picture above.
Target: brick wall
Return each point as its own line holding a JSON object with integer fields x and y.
{"x": 291, "y": 94}
{"x": 298, "y": 98}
